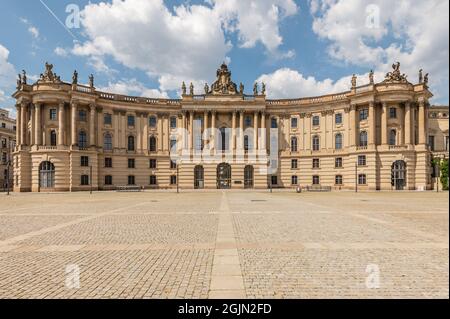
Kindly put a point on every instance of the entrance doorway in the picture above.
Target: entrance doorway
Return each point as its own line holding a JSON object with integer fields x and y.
{"x": 199, "y": 181}
{"x": 398, "y": 175}
{"x": 223, "y": 176}
{"x": 248, "y": 176}
{"x": 46, "y": 175}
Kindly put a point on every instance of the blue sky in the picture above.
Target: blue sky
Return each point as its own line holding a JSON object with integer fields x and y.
{"x": 299, "y": 48}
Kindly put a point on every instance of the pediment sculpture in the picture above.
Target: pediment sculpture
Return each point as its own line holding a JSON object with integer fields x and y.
{"x": 223, "y": 84}
{"x": 48, "y": 75}
{"x": 395, "y": 76}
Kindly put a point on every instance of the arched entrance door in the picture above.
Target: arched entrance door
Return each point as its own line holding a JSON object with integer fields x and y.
{"x": 398, "y": 175}
{"x": 248, "y": 176}
{"x": 199, "y": 181}
{"x": 46, "y": 175}
{"x": 224, "y": 176}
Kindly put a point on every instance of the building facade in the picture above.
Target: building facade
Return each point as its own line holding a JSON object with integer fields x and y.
{"x": 72, "y": 137}
{"x": 7, "y": 146}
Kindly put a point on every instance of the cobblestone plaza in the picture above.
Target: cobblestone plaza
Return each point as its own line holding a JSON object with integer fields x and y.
{"x": 234, "y": 244}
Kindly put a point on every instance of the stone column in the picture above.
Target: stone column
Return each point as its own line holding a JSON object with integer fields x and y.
{"x": 160, "y": 132}
{"x": 422, "y": 123}
{"x": 384, "y": 124}
{"x": 61, "y": 123}
{"x": 353, "y": 126}
{"x": 408, "y": 136}
{"x": 73, "y": 118}
{"x": 233, "y": 131}
{"x": 263, "y": 146}
{"x": 401, "y": 119}
{"x": 23, "y": 115}
{"x": 213, "y": 130}
{"x": 183, "y": 129}
{"x": 37, "y": 124}
{"x": 372, "y": 124}
{"x": 241, "y": 130}
{"x": 116, "y": 116}
{"x": 138, "y": 133}
{"x": 144, "y": 118}
{"x": 92, "y": 141}
{"x": 205, "y": 127}
{"x": 255, "y": 131}
{"x": 18, "y": 124}
{"x": 166, "y": 141}
{"x": 32, "y": 130}
{"x": 191, "y": 131}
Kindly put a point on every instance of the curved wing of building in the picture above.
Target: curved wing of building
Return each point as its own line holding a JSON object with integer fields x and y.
{"x": 73, "y": 137}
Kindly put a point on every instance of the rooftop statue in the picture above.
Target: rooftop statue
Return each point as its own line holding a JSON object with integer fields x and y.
{"x": 183, "y": 88}
{"x": 371, "y": 77}
{"x": 223, "y": 84}
{"x": 241, "y": 88}
{"x": 420, "y": 76}
{"x": 353, "y": 81}
{"x": 395, "y": 76}
{"x": 191, "y": 89}
{"x": 255, "y": 88}
{"x": 48, "y": 75}
{"x": 91, "y": 80}
{"x": 75, "y": 77}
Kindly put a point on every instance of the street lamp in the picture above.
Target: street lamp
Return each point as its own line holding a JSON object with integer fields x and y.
{"x": 356, "y": 177}
{"x": 8, "y": 164}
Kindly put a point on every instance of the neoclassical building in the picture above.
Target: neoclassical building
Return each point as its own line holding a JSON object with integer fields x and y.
{"x": 72, "y": 137}
{"x": 7, "y": 145}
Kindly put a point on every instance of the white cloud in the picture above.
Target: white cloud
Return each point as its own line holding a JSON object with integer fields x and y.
{"x": 34, "y": 32}
{"x": 132, "y": 87}
{"x": 7, "y": 78}
{"x": 288, "y": 83}
{"x": 180, "y": 45}
{"x": 412, "y": 32}
{"x": 61, "y": 52}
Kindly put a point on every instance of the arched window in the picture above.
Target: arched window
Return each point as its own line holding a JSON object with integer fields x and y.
{"x": 363, "y": 138}
{"x": 315, "y": 143}
{"x": 82, "y": 139}
{"x": 293, "y": 144}
{"x": 107, "y": 143}
{"x": 47, "y": 175}
{"x": 198, "y": 177}
{"x": 338, "y": 141}
{"x": 392, "y": 137}
{"x": 53, "y": 138}
{"x": 248, "y": 176}
{"x": 152, "y": 144}
{"x": 131, "y": 143}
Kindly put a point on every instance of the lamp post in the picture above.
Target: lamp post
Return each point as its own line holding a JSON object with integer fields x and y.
{"x": 356, "y": 177}
{"x": 90, "y": 178}
{"x": 8, "y": 163}
{"x": 178, "y": 170}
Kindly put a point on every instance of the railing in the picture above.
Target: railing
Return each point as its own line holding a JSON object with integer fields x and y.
{"x": 361, "y": 148}
{"x": 46, "y": 148}
{"x": 398, "y": 147}
{"x": 84, "y": 89}
{"x": 310, "y": 100}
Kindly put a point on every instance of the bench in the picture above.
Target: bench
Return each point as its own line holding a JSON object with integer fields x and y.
{"x": 129, "y": 188}
{"x": 318, "y": 188}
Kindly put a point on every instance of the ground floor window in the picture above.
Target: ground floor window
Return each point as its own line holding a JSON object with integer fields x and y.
{"x": 84, "y": 180}
{"x": 131, "y": 180}
{"x": 173, "y": 180}
{"x": 153, "y": 180}
{"x": 362, "y": 179}
{"x": 46, "y": 175}
{"x": 84, "y": 161}
{"x": 108, "y": 180}
{"x": 108, "y": 162}
{"x": 274, "y": 180}
{"x": 316, "y": 180}
{"x": 152, "y": 163}
{"x": 362, "y": 160}
{"x": 338, "y": 180}
{"x": 131, "y": 163}
{"x": 316, "y": 163}
{"x": 294, "y": 164}
{"x": 338, "y": 162}
{"x": 173, "y": 165}
{"x": 294, "y": 180}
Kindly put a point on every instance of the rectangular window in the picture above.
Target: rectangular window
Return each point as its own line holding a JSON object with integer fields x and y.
{"x": 363, "y": 114}
{"x": 173, "y": 165}
{"x": 84, "y": 180}
{"x": 82, "y": 116}
{"x": 338, "y": 118}
{"x": 153, "y": 180}
{"x": 53, "y": 115}
{"x": 447, "y": 141}
{"x": 152, "y": 121}
{"x": 294, "y": 122}
{"x": 338, "y": 180}
{"x": 3, "y": 125}
{"x": 4, "y": 158}
{"x": 431, "y": 142}
{"x": 294, "y": 180}
{"x": 152, "y": 163}
{"x": 131, "y": 180}
{"x": 362, "y": 160}
{"x": 274, "y": 180}
{"x": 108, "y": 162}
{"x": 338, "y": 162}
{"x": 173, "y": 144}
{"x": 84, "y": 161}
{"x": 393, "y": 112}
{"x": 316, "y": 120}
{"x": 294, "y": 164}
{"x": 173, "y": 180}
{"x": 173, "y": 122}
{"x": 107, "y": 119}
{"x": 316, "y": 163}
{"x": 131, "y": 163}
{"x": 316, "y": 180}
{"x": 362, "y": 179}
{"x": 130, "y": 120}
{"x": 108, "y": 180}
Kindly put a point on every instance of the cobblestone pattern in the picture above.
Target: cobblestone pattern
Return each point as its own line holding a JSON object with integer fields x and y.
{"x": 319, "y": 273}
{"x": 129, "y": 229}
{"x": 112, "y": 274}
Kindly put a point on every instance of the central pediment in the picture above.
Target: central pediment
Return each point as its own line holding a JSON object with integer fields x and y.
{"x": 223, "y": 84}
